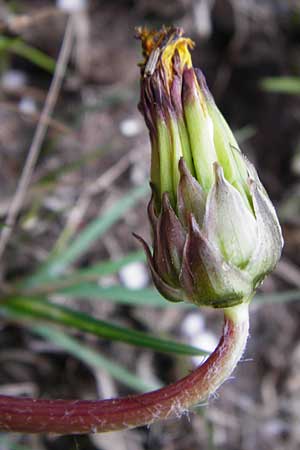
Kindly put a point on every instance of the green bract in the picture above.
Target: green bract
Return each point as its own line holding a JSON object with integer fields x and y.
{"x": 215, "y": 232}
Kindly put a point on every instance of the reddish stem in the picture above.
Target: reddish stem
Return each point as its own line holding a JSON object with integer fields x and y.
{"x": 84, "y": 416}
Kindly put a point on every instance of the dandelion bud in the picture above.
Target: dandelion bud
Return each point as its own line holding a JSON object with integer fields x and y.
{"x": 215, "y": 232}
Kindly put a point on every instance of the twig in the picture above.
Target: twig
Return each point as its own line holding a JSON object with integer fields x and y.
{"x": 18, "y": 24}
{"x": 38, "y": 137}
{"x": 35, "y": 117}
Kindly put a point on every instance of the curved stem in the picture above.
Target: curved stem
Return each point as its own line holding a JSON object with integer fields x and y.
{"x": 84, "y": 416}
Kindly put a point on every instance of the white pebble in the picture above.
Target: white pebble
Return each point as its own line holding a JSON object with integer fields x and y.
{"x": 134, "y": 275}
{"x": 295, "y": 165}
{"x": 71, "y": 5}
{"x": 30, "y": 223}
{"x": 130, "y": 127}
{"x": 56, "y": 203}
{"x": 27, "y": 105}
{"x": 13, "y": 80}
{"x": 275, "y": 427}
{"x": 138, "y": 174}
{"x": 202, "y": 17}
{"x": 206, "y": 341}
{"x": 192, "y": 324}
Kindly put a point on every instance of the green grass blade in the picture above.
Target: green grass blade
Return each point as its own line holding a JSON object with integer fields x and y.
{"x": 277, "y": 297}
{"x": 7, "y": 443}
{"x": 107, "y": 267}
{"x": 150, "y": 297}
{"x": 41, "y": 309}
{"x": 32, "y": 54}
{"x": 119, "y": 294}
{"x": 281, "y": 85}
{"x": 91, "y": 357}
{"x": 62, "y": 260}
{"x": 244, "y": 133}
{"x": 92, "y": 273}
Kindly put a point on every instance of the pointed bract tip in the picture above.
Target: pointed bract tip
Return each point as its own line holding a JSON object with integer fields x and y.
{"x": 193, "y": 226}
{"x": 202, "y": 84}
{"x": 189, "y": 86}
{"x": 183, "y": 170}
{"x": 219, "y": 173}
{"x": 166, "y": 204}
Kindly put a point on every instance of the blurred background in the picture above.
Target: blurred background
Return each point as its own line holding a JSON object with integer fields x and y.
{"x": 70, "y": 255}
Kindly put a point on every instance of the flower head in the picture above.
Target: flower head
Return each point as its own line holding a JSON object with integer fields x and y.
{"x": 215, "y": 232}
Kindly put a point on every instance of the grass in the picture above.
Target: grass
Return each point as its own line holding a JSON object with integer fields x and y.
{"x": 281, "y": 85}
{"x": 32, "y": 54}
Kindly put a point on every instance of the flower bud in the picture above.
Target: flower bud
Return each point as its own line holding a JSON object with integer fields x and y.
{"x": 215, "y": 232}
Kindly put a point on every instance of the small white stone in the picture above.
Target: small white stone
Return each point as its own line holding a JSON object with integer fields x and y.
{"x": 202, "y": 17}
{"x": 205, "y": 341}
{"x": 71, "y": 5}
{"x": 27, "y": 105}
{"x": 138, "y": 174}
{"x": 56, "y": 203}
{"x": 192, "y": 324}
{"x": 30, "y": 224}
{"x": 130, "y": 127}
{"x": 295, "y": 164}
{"x": 134, "y": 275}
{"x": 13, "y": 80}
{"x": 275, "y": 427}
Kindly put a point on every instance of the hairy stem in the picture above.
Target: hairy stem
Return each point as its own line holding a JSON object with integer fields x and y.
{"x": 79, "y": 416}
